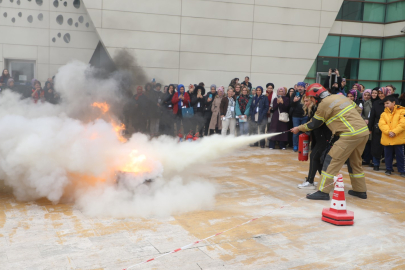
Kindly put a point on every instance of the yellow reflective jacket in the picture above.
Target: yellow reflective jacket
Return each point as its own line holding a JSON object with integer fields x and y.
{"x": 341, "y": 115}
{"x": 392, "y": 121}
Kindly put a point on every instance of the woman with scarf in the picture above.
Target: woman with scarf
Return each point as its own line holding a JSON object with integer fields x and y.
{"x": 50, "y": 95}
{"x": 216, "y": 121}
{"x": 374, "y": 95}
{"x": 375, "y": 114}
{"x": 281, "y": 104}
{"x": 167, "y": 111}
{"x": 5, "y": 75}
{"x": 197, "y": 102}
{"x": 352, "y": 95}
{"x": 139, "y": 103}
{"x": 258, "y": 114}
{"x": 243, "y": 103}
{"x": 365, "y": 114}
{"x": 228, "y": 114}
{"x": 181, "y": 100}
{"x": 208, "y": 99}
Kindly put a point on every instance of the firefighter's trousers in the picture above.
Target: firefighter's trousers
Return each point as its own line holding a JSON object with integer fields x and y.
{"x": 346, "y": 148}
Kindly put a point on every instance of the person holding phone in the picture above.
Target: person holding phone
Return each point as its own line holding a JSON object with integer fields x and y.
{"x": 181, "y": 100}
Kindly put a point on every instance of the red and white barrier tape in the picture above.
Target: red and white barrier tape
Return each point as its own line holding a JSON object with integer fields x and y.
{"x": 230, "y": 229}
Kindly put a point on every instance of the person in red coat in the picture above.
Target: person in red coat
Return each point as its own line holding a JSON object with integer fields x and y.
{"x": 181, "y": 100}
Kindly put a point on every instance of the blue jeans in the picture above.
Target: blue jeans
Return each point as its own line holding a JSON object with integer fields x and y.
{"x": 399, "y": 153}
{"x": 376, "y": 161}
{"x": 244, "y": 128}
{"x": 297, "y": 121}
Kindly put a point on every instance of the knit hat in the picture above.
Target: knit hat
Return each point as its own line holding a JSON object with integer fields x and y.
{"x": 301, "y": 84}
{"x": 383, "y": 90}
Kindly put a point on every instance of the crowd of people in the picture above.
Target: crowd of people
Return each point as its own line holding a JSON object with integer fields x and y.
{"x": 241, "y": 109}
{"x": 33, "y": 90}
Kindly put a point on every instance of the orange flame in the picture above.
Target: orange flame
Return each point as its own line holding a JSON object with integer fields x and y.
{"x": 118, "y": 128}
{"x": 136, "y": 163}
{"x": 104, "y": 107}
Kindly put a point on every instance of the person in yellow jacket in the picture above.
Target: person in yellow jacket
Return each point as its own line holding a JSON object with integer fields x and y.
{"x": 392, "y": 126}
{"x": 342, "y": 116}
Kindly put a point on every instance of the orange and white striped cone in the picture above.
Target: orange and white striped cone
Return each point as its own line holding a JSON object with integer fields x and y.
{"x": 337, "y": 213}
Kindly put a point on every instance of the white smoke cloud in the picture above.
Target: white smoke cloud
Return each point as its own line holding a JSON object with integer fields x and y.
{"x": 64, "y": 153}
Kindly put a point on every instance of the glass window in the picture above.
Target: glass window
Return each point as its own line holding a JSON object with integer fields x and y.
{"x": 312, "y": 71}
{"x": 397, "y": 85}
{"x": 309, "y": 81}
{"x": 373, "y": 12}
{"x": 330, "y": 46}
{"x": 369, "y": 85}
{"x": 394, "y": 47}
{"x": 371, "y": 48}
{"x": 325, "y": 63}
{"x": 350, "y": 11}
{"x": 350, "y": 47}
{"x": 348, "y": 68}
{"x": 395, "y": 12}
{"x": 22, "y": 71}
{"x": 381, "y": 1}
{"x": 369, "y": 70}
{"x": 392, "y": 70}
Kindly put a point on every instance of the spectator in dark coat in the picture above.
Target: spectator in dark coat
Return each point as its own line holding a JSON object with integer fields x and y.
{"x": 5, "y": 76}
{"x": 167, "y": 117}
{"x": 197, "y": 102}
{"x": 50, "y": 95}
{"x": 298, "y": 115}
{"x": 138, "y": 111}
{"x": 207, "y": 113}
{"x": 258, "y": 113}
{"x": 375, "y": 114}
{"x": 280, "y": 105}
{"x": 154, "y": 97}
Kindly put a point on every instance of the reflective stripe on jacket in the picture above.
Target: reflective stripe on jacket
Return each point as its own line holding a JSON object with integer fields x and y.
{"x": 392, "y": 121}
{"x": 340, "y": 114}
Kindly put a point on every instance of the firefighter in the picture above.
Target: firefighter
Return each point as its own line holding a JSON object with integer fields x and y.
{"x": 342, "y": 116}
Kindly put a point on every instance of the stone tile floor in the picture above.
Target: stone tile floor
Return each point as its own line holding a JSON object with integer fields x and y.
{"x": 250, "y": 182}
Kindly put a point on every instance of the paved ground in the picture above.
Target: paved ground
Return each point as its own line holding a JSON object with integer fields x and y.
{"x": 250, "y": 182}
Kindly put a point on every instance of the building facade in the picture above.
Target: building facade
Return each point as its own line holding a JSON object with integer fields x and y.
{"x": 366, "y": 44}
{"x": 188, "y": 41}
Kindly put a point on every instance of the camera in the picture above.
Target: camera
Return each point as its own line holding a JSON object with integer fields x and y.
{"x": 333, "y": 69}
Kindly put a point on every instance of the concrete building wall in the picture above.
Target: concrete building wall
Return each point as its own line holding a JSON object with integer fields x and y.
{"x": 187, "y": 41}
{"x": 175, "y": 41}
{"x": 28, "y": 28}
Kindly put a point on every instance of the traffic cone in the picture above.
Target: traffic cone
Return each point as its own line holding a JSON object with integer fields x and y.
{"x": 337, "y": 213}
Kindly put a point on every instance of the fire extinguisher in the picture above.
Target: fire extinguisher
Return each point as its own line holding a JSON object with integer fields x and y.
{"x": 189, "y": 137}
{"x": 303, "y": 147}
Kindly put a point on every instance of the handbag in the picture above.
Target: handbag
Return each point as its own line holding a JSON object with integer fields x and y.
{"x": 283, "y": 117}
{"x": 187, "y": 112}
